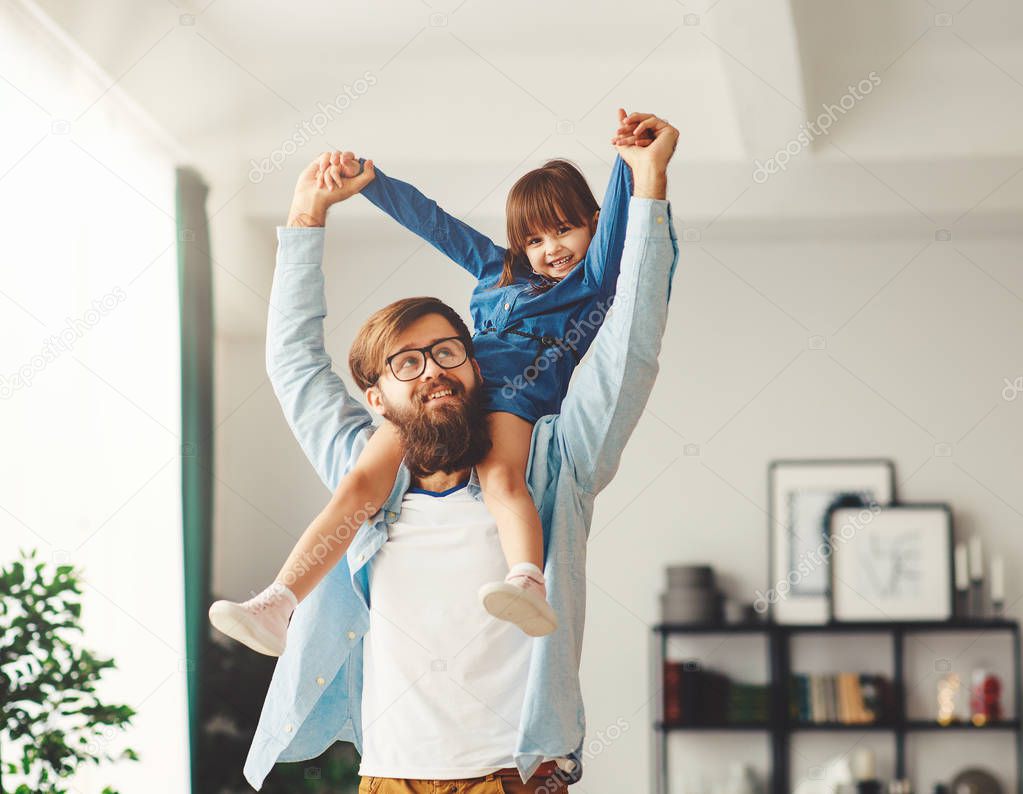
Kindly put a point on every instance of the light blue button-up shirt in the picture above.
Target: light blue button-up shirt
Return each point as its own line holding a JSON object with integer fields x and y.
{"x": 315, "y": 696}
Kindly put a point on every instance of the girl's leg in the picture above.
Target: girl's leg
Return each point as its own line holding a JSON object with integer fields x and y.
{"x": 503, "y": 479}
{"x": 522, "y": 597}
{"x": 262, "y": 621}
{"x": 359, "y": 495}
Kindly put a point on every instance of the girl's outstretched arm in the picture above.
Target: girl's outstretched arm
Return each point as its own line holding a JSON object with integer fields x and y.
{"x": 604, "y": 256}
{"x": 421, "y": 215}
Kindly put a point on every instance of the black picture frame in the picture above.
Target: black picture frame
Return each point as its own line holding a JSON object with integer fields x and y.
{"x": 783, "y": 609}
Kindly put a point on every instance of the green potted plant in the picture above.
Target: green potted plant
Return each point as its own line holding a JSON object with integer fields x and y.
{"x": 51, "y": 720}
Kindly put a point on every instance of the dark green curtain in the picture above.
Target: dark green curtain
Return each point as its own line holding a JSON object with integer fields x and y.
{"x": 196, "y": 306}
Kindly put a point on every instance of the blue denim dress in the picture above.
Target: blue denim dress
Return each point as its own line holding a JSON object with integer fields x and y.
{"x": 527, "y": 342}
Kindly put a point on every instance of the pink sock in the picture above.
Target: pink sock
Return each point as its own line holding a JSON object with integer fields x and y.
{"x": 527, "y": 576}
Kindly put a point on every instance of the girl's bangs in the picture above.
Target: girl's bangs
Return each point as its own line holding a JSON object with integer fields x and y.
{"x": 541, "y": 210}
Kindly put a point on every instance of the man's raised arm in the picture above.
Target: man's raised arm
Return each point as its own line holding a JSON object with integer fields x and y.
{"x": 324, "y": 417}
{"x": 610, "y": 389}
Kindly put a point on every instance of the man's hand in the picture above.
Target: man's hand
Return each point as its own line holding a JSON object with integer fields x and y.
{"x": 325, "y": 181}
{"x": 646, "y": 143}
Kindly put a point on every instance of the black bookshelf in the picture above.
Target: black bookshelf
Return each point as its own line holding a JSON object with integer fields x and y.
{"x": 780, "y": 726}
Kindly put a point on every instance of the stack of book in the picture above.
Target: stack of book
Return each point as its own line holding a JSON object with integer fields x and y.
{"x": 848, "y": 698}
{"x": 748, "y": 702}
{"x": 693, "y": 696}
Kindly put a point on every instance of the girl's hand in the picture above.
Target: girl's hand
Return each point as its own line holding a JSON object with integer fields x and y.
{"x": 326, "y": 181}
{"x": 335, "y": 166}
{"x": 645, "y": 141}
{"x": 629, "y": 131}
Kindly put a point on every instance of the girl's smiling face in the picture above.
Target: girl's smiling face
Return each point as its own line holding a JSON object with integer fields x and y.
{"x": 551, "y": 217}
{"x": 555, "y": 252}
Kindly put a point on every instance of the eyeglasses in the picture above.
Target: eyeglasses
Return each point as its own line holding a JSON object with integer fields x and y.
{"x": 448, "y": 353}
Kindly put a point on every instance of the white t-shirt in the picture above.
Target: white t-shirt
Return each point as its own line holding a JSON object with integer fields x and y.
{"x": 443, "y": 681}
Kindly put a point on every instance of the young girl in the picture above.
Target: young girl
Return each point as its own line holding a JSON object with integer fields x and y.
{"x": 536, "y": 308}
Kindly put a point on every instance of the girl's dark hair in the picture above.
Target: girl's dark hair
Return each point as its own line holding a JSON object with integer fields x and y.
{"x": 541, "y": 199}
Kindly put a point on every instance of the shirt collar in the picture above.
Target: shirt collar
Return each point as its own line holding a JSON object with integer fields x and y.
{"x": 404, "y": 481}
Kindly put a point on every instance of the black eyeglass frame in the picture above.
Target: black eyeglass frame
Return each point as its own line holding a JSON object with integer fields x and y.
{"x": 428, "y": 351}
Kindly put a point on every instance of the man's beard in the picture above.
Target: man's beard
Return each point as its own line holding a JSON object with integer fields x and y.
{"x": 447, "y": 437}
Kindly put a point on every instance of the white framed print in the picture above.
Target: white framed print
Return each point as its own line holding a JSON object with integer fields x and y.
{"x": 800, "y": 494}
{"x": 892, "y": 564}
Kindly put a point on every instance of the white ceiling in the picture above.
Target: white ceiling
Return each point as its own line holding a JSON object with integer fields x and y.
{"x": 468, "y": 94}
{"x": 462, "y": 73}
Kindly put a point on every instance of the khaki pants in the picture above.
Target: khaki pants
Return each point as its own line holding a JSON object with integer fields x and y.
{"x": 488, "y": 784}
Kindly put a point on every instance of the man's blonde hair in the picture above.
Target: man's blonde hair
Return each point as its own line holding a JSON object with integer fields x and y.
{"x": 368, "y": 355}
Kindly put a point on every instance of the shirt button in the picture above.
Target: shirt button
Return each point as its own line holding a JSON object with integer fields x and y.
{"x": 362, "y": 557}
{"x": 351, "y": 635}
{"x": 660, "y": 219}
{"x": 320, "y": 680}
{"x": 507, "y": 306}
{"x": 288, "y": 728}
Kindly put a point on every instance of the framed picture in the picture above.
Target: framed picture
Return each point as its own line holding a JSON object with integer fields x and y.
{"x": 892, "y": 563}
{"x": 800, "y": 493}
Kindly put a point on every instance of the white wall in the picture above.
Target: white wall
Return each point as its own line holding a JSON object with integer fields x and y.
{"x": 919, "y": 334}
{"x": 469, "y": 95}
{"x": 922, "y": 363}
{"x": 90, "y": 403}
{"x": 916, "y": 353}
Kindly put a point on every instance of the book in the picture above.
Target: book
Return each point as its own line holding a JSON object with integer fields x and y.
{"x": 845, "y": 697}
{"x": 693, "y": 696}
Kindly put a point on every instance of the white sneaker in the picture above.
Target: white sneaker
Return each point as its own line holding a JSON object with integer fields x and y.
{"x": 261, "y": 622}
{"x": 522, "y": 599}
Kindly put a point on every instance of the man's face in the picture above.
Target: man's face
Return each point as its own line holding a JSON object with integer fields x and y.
{"x": 440, "y": 433}
{"x": 413, "y": 396}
